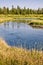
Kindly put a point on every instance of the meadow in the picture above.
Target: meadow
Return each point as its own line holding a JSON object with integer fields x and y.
{"x": 31, "y": 19}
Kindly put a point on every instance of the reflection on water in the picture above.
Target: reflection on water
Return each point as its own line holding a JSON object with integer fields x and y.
{"x": 21, "y": 35}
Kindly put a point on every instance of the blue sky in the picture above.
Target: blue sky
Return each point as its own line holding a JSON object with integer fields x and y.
{"x": 34, "y": 4}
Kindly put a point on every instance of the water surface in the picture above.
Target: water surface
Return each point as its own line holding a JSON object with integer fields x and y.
{"x": 22, "y": 35}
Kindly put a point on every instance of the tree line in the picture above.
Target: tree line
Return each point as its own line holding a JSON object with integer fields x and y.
{"x": 21, "y": 11}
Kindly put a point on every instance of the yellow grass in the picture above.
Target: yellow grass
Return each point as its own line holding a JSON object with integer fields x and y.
{"x": 14, "y": 17}
{"x": 18, "y": 56}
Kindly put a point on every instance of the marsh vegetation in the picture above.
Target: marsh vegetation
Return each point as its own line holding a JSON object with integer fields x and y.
{"x": 31, "y": 19}
{"x": 18, "y": 56}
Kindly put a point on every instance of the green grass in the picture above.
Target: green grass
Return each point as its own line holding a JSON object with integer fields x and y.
{"x": 18, "y": 56}
{"x": 37, "y": 20}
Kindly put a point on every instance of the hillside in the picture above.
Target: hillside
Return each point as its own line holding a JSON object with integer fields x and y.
{"x": 18, "y": 56}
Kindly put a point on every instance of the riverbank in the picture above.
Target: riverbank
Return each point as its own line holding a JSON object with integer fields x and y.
{"x": 18, "y": 56}
{"x": 35, "y": 20}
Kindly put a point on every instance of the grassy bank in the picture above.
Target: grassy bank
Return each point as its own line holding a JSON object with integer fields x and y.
{"x": 35, "y": 20}
{"x": 18, "y": 56}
